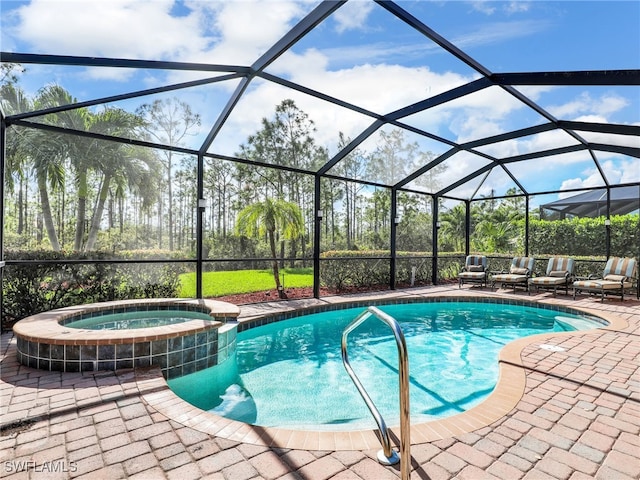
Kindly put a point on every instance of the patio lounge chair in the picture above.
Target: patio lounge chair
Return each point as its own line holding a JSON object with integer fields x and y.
{"x": 519, "y": 273}
{"x": 618, "y": 276}
{"x": 474, "y": 271}
{"x": 559, "y": 274}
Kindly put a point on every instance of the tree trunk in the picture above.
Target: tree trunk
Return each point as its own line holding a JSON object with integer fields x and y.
{"x": 46, "y": 213}
{"x": 282, "y": 254}
{"x": 121, "y": 216}
{"x": 26, "y": 208}
{"x": 160, "y": 198}
{"x": 274, "y": 264}
{"x": 20, "y": 212}
{"x": 170, "y": 203}
{"x": 82, "y": 210}
{"x": 111, "y": 213}
{"x": 97, "y": 214}
{"x": 294, "y": 253}
{"x": 348, "y": 216}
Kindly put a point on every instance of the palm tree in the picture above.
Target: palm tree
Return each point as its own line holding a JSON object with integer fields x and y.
{"x": 454, "y": 227}
{"x": 115, "y": 161}
{"x": 44, "y": 151}
{"x": 88, "y": 155}
{"x": 270, "y": 217}
{"x": 13, "y": 100}
{"x": 48, "y": 156}
{"x": 77, "y": 148}
{"x": 494, "y": 237}
{"x": 120, "y": 165}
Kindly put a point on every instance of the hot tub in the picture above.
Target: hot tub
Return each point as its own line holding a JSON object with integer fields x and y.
{"x": 202, "y": 338}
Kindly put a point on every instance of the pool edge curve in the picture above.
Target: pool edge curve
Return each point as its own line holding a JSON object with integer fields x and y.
{"x": 509, "y": 389}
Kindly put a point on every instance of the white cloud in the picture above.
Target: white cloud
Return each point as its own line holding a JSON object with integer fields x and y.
{"x": 260, "y": 102}
{"x": 518, "y": 6}
{"x": 380, "y": 51}
{"x": 539, "y": 142}
{"x": 477, "y": 125}
{"x": 352, "y": 15}
{"x": 630, "y": 171}
{"x": 483, "y": 6}
{"x": 609, "y": 103}
{"x": 592, "y": 179}
{"x": 233, "y": 32}
{"x": 500, "y": 33}
{"x": 380, "y": 88}
{"x": 535, "y": 92}
{"x": 617, "y": 170}
{"x": 487, "y": 115}
{"x": 484, "y": 113}
{"x": 610, "y": 138}
{"x": 586, "y": 104}
{"x": 489, "y": 7}
{"x": 248, "y": 29}
{"x": 120, "y": 28}
{"x": 546, "y": 141}
{"x": 107, "y": 74}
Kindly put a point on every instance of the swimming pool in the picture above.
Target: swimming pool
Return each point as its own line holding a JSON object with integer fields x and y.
{"x": 290, "y": 373}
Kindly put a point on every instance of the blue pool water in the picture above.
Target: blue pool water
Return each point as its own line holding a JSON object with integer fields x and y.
{"x": 137, "y": 319}
{"x": 290, "y": 373}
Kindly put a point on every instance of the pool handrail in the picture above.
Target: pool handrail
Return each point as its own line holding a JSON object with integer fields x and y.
{"x": 386, "y": 455}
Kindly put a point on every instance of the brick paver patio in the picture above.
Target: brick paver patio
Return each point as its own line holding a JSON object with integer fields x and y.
{"x": 578, "y": 418}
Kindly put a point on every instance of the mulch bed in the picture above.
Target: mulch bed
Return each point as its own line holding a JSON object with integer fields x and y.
{"x": 297, "y": 293}
{"x": 292, "y": 294}
{"x": 269, "y": 296}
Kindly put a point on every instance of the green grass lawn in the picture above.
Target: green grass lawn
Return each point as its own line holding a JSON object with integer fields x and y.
{"x": 217, "y": 284}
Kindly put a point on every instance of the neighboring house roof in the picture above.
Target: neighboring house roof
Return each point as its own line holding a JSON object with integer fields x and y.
{"x": 594, "y": 203}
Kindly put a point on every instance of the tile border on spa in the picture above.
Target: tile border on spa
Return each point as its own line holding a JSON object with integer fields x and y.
{"x": 175, "y": 356}
{"x": 45, "y": 343}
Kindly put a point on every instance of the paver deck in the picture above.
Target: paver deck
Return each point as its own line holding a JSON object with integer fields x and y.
{"x": 578, "y": 418}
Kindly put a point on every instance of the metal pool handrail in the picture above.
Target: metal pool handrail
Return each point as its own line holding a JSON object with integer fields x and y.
{"x": 386, "y": 455}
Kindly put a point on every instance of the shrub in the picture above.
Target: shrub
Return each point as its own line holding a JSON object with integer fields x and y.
{"x": 347, "y": 268}
{"x": 52, "y": 280}
{"x": 585, "y": 236}
{"x": 343, "y": 269}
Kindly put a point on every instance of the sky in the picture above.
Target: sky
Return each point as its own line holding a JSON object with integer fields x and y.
{"x": 363, "y": 55}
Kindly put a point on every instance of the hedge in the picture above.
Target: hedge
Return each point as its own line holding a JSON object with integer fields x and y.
{"x": 37, "y": 287}
{"x": 585, "y": 236}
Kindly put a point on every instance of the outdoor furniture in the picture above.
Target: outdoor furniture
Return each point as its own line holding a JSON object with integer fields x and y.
{"x": 518, "y": 275}
{"x": 618, "y": 276}
{"x": 559, "y": 274}
{"x": 474, "y": 271}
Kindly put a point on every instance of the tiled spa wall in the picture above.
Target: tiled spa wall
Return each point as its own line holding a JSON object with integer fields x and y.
{"x": 176, "y": 356}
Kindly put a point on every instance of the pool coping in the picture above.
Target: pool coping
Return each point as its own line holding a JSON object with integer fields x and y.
{"x": 509, "y": 389}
